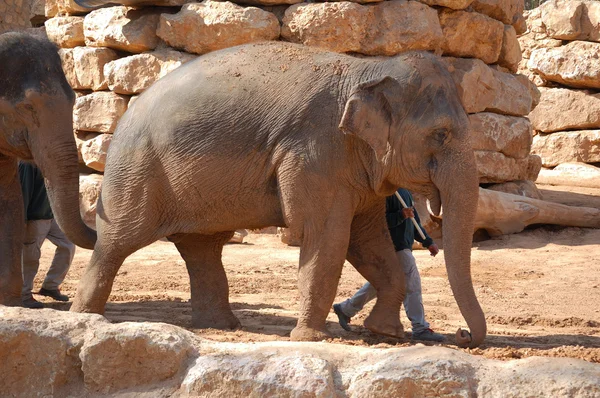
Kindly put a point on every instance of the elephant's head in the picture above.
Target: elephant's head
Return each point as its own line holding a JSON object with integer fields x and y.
{"x": 36, "y": 123}
{"x": 414, "y": 121}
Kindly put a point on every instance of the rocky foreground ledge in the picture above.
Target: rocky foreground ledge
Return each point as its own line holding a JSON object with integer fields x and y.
{"x": 55, "y": 353}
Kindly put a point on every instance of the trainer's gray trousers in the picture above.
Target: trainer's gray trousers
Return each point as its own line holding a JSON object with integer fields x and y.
{"x": 413, "y": 302}
{"x": 36, "y": 232}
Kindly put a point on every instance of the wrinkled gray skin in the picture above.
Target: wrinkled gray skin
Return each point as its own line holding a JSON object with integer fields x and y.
{"x": 285, "y": 135}
{"x": 36, "y": 123}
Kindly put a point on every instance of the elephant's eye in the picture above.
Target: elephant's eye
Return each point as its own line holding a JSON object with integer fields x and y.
{"x": 441, "y": 136}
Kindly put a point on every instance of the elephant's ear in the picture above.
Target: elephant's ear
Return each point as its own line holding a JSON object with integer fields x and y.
{"x": 368, "y": 113}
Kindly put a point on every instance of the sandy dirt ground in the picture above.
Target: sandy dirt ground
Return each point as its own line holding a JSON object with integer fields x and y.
{"x": 540, "y": 290}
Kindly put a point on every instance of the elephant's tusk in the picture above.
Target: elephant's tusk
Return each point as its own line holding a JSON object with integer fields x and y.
{"x": 463, "y": 338}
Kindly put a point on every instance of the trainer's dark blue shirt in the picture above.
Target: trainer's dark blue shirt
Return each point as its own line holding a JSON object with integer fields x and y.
{"x": 35, "y": 198}
{"x": 402, "y": 230}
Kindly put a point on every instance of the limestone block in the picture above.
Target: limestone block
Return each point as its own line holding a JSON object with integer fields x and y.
{"x": 499, "y": 133}
{"x": 94, "y": 151}
{"x": 496, "y": 167}
{"x": 534, "y": 20}
{"x": 482, "y": 88}
{"x": 506, "y": 11}
{"x": 520, "y": 24}
{"x": 472, "y": 35}
{"x": 521, "y": 188}
{"x": 510, "y": 54}
{"x": 269, "y": 3}
{"x": 89, "y": 191}
{"x": 564, "y": 109}
{"x": 50, "y": 8}
{"x": 133, "y": 354}
{"x": 89, "y": 66}
{"x": 80, "y": 138}
{"x": 532, "y": 41}
{"x": 99, "y": 111}
{"x": 291, "y": 375}
{"x": 576, "y": 64}
{"x": 590, "y": 21}
{"x": 65, "y": 31}
{"x": 212, "y": 25}
{"x": 68, "y": 66}
{"x": 64, "y": 7}
{"x": 386, "y": 28}
{"x": 571, "y": 174}
{"x": 238, "y": 236}
{"x": 122, "y": 28}
{"x": 134, "y": 74}
{"x": 562, "y": 19}
{"x": 569, "y": 146}
{"x": 38, "y": 351}
{"x": 452, "y": 4}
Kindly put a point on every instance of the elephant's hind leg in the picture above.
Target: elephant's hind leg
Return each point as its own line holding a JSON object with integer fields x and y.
{"x": 208, "y": 281}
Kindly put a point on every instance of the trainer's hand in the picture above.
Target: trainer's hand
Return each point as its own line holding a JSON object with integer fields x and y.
{"x": 433, "y": 249}
{"x": 408, "y": 212}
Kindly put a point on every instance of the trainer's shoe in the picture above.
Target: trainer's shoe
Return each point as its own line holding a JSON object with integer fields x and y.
{"x": 428, "y": 335}
{"x": 32, "y": 303}
{"x": 343, "y": 319}
{"x": 55, "y": 294}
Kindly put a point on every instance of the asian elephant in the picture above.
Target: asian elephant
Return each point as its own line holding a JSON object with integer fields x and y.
{"x": 278, "y": 134}
{"x": 36, "y": 123}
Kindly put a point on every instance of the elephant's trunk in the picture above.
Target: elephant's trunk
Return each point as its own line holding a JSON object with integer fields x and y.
{"x": 59, "y": 164}
{"x": 459, "y": 201}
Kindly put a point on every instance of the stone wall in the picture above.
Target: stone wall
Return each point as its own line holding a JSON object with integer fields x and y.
{"x": 561, "y": 54}
{"x": 19, "y": 14}
{"x": 57, "y": 353}
{"x": 111, "y": 55}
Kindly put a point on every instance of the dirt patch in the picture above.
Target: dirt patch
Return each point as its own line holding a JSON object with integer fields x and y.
{"x": 540, "y": 290}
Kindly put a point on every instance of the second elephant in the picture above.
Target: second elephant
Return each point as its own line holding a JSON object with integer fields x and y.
{"x": 284, "y": 135}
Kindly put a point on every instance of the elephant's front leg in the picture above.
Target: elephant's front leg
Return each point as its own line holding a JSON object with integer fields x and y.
{"x": 12, "y": 226}
{"x": 326, "y": 233}
{"x": 372, "y": 253}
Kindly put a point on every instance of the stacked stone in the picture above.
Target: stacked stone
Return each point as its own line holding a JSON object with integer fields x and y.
{"x": 561, "y": 54}
{"x": 17, "y": 14}
{"x": 112, "y": 54}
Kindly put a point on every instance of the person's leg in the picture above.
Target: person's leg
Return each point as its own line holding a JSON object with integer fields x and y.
{"x": 63, "y": 257}
{"x": 35, "y": 234}
{"x": 413, "y": 302}
{"x": 353, "y": 305}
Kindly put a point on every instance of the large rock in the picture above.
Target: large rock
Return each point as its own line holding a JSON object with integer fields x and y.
{"x": 269, "y": 3}
{"x": 563, "y": 109}
{"x": 386, "y": 28}
{"x": 576, "y": 64}
{"x": 494, "y": 167}
{"x": 65, "y": 32}
{"x": 64, "y": 7}
{"x": 89, "y": 65}
{"x": 212, "y": 25}
{"x": 562, "y": 19}
{"x": 68, "y": 66}
{"x": 93, "y": 152}
{"x": 471, "y": 35}
{"x": 60, "y": 353}
{"x": 134, "y": 74}
{"x": 89, "y": 191}
{"x": 499, "y": 133}
{"x": 99, "y": 111}
{"x": 482, "y": 88}
{"x": 510, "y": 54}
{"x": 506, "y": 11}
{"x": 122, "y": 28}
{"x": 571, "y": 174}
{"x": 532, "y": 41}
{"x": 569, "y": 146}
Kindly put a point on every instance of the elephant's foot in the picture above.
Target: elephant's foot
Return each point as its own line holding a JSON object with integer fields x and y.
{"x": 384, "y": 327}
{"x": 223, "y": 320}
{"x": 88, "y": 308}
{"x": 304, "y": 333}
